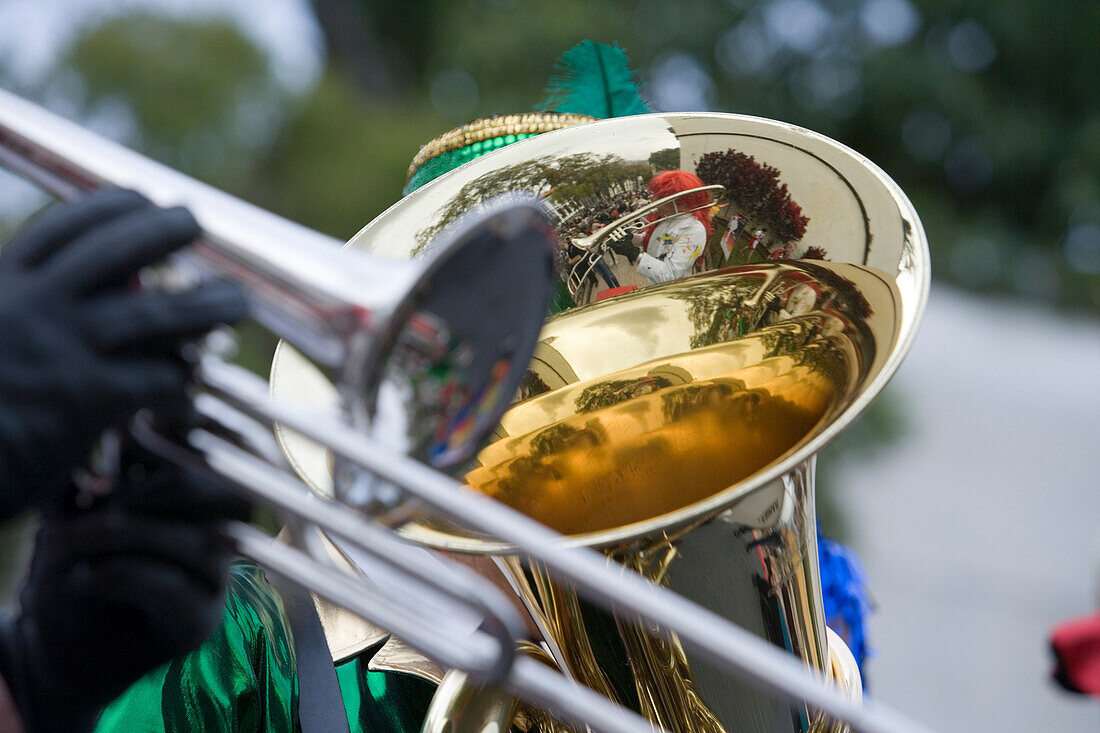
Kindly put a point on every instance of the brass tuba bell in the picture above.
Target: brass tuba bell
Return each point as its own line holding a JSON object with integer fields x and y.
{"x": 675, "y": 424}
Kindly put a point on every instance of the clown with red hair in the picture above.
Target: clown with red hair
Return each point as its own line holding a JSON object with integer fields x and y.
{"x": 676, "y": 241}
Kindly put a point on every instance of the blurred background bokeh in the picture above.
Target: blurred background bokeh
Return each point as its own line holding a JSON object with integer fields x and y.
{"x": 970, "y": 489}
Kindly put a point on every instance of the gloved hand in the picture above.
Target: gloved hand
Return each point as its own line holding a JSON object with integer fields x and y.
{"x": 81, "y": 350}
{"x": 115, "y": 591}
{"x": 627, "y": 249}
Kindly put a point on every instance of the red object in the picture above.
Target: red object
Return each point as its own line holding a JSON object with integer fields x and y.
{"x": 1076, "y": 646}
{"x": 670, "y": 182}
{"x": 612, "y": 292}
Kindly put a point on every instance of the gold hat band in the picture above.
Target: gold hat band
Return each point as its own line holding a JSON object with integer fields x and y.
{"x": 530, "y": 123}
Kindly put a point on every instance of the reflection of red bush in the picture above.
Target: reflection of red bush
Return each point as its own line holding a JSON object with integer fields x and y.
{"x": 758, "y": 193}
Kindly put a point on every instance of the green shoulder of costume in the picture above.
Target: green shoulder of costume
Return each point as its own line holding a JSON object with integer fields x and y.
{"x": 242, "y": 679}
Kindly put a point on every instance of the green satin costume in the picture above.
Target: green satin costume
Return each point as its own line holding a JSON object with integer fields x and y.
{"x": 244, "y": 678}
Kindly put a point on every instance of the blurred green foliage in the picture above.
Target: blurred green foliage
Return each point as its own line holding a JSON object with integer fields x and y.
{"x": 341, "y": 161}
{"x": 196, "y": 95}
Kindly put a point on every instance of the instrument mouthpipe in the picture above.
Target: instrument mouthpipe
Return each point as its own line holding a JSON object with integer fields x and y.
{"x": 299, "y": 283}
{"x": 374, "y": 321}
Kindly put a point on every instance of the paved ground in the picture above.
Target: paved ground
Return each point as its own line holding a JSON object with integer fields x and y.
{"x": 982, "y": 531}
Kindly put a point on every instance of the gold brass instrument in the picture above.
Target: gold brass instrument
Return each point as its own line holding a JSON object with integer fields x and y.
{"x": 341, "y": 440}
{"x": 676, "y": 427}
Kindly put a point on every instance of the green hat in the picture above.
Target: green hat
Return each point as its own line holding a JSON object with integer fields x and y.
{"x": 590, "y": 81}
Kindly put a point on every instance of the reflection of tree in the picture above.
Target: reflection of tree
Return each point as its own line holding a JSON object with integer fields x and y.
{"x": 606, "y": 394}
{"x": 755, "y": 192}
{"x": 718, "y": 310}
{"x": 784, "y": 218}
{"x": 841, "y": 302}
{"x": 665, "y": 160}
{"x": 679, "y": 403}
{"x": 804, "y": 338}
{"x": 515, "y": 486}
{"x": 586, "y": 174}
{"x": 826, "y": 357}
{"x": 786, "y": 337}
{"x": 560, "y": 436}
{"x": 531, "y": 385}
{"x": 724, "y": 310}
{"x": 556, "y": 178}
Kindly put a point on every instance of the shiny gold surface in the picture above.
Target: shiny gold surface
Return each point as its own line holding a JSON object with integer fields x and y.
{"x": 855, "y": 219}
{"x": 675, "y": 424}
{"x": 347, "y": 634}
{"x": 671, "y": 429}
{"x": 655, "y": 406}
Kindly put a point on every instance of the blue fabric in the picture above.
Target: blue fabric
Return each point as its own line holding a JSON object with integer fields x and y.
{"x": 844, "y": 591}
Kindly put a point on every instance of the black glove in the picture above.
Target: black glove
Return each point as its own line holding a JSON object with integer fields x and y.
{"x": 627, "y": 249}
{"x": 81, "y": 350}
{"x": 115, "y": 591}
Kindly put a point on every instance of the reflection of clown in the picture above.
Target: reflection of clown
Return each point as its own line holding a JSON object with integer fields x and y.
{"x": 800, "y": 301}
{"x": 674, "y": 244}
{"x": 831, "y": 326}
{"x": 756, "y": 240}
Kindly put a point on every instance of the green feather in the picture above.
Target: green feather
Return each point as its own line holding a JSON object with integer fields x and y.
{"x": 593, "y": 79}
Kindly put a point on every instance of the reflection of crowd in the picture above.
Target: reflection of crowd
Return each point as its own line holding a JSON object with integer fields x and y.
{"x": 740, "y": 242}
{"x": 585, "y": 216}
{"x": 581, "y": 217}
